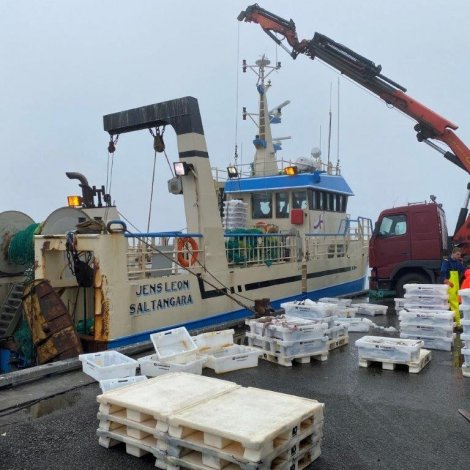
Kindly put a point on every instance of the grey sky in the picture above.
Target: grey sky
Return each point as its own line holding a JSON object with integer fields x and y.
{"x": 67, "y": 63}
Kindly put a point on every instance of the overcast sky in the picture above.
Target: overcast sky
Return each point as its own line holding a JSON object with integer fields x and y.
{"x": 65, "y": 64}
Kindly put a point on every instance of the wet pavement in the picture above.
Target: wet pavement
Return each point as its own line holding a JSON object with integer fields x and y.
{"x": 374, "y": 418}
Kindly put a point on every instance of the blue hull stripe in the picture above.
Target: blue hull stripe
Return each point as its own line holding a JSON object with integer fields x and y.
{"x": 333, "y": 291}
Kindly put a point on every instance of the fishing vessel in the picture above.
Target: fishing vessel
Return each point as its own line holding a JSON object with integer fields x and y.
{"x": 275, "y": 229}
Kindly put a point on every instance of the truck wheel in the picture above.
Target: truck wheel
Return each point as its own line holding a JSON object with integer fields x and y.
{"x": 410, "y": 278}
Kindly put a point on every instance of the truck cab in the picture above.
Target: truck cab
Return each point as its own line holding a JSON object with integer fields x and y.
{"x": 407, "y": 246}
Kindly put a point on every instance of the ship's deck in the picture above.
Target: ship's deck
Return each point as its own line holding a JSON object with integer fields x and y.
{"x": 374, "y": 418}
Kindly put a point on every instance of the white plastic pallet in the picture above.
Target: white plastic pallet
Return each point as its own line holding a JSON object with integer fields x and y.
{"x": 257, "y": 419}
{"x": 308, "y": 436}
{"x": 162, "y": 396}
{"x": 289, "y": 361}
{"x": 413, "y": 366}
{"x": 338, "y": 342}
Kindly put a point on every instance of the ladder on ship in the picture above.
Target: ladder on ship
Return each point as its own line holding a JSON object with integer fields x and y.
{"x": 12, "y": 309}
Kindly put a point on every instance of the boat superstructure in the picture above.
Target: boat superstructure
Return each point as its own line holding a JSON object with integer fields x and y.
{"x": 274, "y": 231}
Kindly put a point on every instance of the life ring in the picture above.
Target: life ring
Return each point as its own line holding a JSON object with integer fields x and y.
{"x": 187, "y": 251}
{"x": 262, "y": 226}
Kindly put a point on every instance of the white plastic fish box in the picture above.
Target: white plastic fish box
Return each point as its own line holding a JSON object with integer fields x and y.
{"x": 419, "y": 317}
{"x": 445, "y": 331}
{"x": 330, "y": 321}
{"x": 430, "y": 289}
{"x": 173, "y": 345}
{"x": 371, "y": 309}
{"x": 431, "y": 342}
{"x": 308, "y": 347}
{"x": 296, "y": 329}
{"x": 465, "y": 324}
{"x": 152, "y": 366}
{"x": 336, "y": 331}
{"x": 222, "y": 354}
{"x": 466, "y": 354}
{"x": 308, "y": 309}
{"x": 399, "y": 303}
{"x": 425, "y": 307}
{"x": 336, "y": 300}
{"x": 421, "y": 301}
{"x": 111, "y": 384}
{"x": 393, "y": 349}
{"x": 465, "y": 295}
{"x": 466, "y": 339}
{"x": 259, "y": 326}
{"x": 108, "y": 365}
{"x": 346, "y": 312}
{"x": 356, "y": 325}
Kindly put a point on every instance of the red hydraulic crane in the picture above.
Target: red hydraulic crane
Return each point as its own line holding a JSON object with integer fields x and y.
{"x": 430, "y": 125}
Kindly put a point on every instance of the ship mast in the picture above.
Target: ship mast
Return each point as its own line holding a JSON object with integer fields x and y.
{"x": 265, "y": 156}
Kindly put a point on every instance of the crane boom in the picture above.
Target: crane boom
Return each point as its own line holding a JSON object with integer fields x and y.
{"x": 430, "y": 125}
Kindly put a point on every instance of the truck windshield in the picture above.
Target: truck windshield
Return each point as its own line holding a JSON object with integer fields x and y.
{"x": 392, "y": 225}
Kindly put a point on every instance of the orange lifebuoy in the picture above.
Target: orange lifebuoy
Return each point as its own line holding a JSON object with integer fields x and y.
{"x": 262, "y": 226}
{"x": 187, "y": 251}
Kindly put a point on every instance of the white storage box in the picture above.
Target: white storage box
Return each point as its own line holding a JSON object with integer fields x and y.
{"x": 336, "y": 300}
{"x": 259, "y": 326}
{"x": 111, "y": 384}
{"x": 308, "y": 347}
{"x": 465, "y": 295}
{"x": 371, "y": 309}
{"x": 356, "y": 325}
{"x": 393, "y": 349}
{"x": 466, "y": 339}
{"x": 223, "y": 355}
{"x": 431, "y": 342}
{"x": 399, "y": 303}
{"x": 308, "y": 309}
{"x": 418, "y": 317}
{"x": 430, "y": 289}
{"x": 465, "y": 325}
{"x": 423, "y": 307}
{"x": 433, "y": 303}
{"x": 330, "y": 321}
{"x": 108, "y": 365}
{"x": 233, "y": 357}
{"x": 466, "y": 354}
{"x": 445, "y": 331}
{"x": 346, "y": 312}
{"x": 296, "y": 329}
{"x": 173, "y": 344}
{"x": 152, "y": 366}
{"x": 336, "y": 331}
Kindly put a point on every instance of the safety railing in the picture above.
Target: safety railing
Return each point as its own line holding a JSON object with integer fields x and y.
{"x": 248, "y": 249}
{"x": 162, "y": 253}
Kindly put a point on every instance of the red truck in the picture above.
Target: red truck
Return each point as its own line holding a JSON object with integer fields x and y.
{"x": 409, "y": 242}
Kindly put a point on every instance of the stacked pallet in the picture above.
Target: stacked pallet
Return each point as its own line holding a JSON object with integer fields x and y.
{"x": 196, "y": 422}
{"x": 391, "y": 352}
{"x": 426, "y": 316}
{"x": 465, "y": 336}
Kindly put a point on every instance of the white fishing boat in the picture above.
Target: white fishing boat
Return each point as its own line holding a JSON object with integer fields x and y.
{"x": 275, "y": 230}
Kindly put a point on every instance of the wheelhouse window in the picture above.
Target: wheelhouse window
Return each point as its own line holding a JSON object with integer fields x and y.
{"x": 299, "y": 200}
{"x": 282, "y": 205}
{"x": 261, "y": 206}
{"x": 392, "y": 225}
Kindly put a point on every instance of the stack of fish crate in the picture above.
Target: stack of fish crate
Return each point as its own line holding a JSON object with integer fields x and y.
{"x": 426, "y": 316}
{"x": 191, "y": 421}
{"x": 175, "y": 351}
{"x": 284, "y": 339}
{"x": 465, "y": 336}
{"x": 392, "y": 351}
